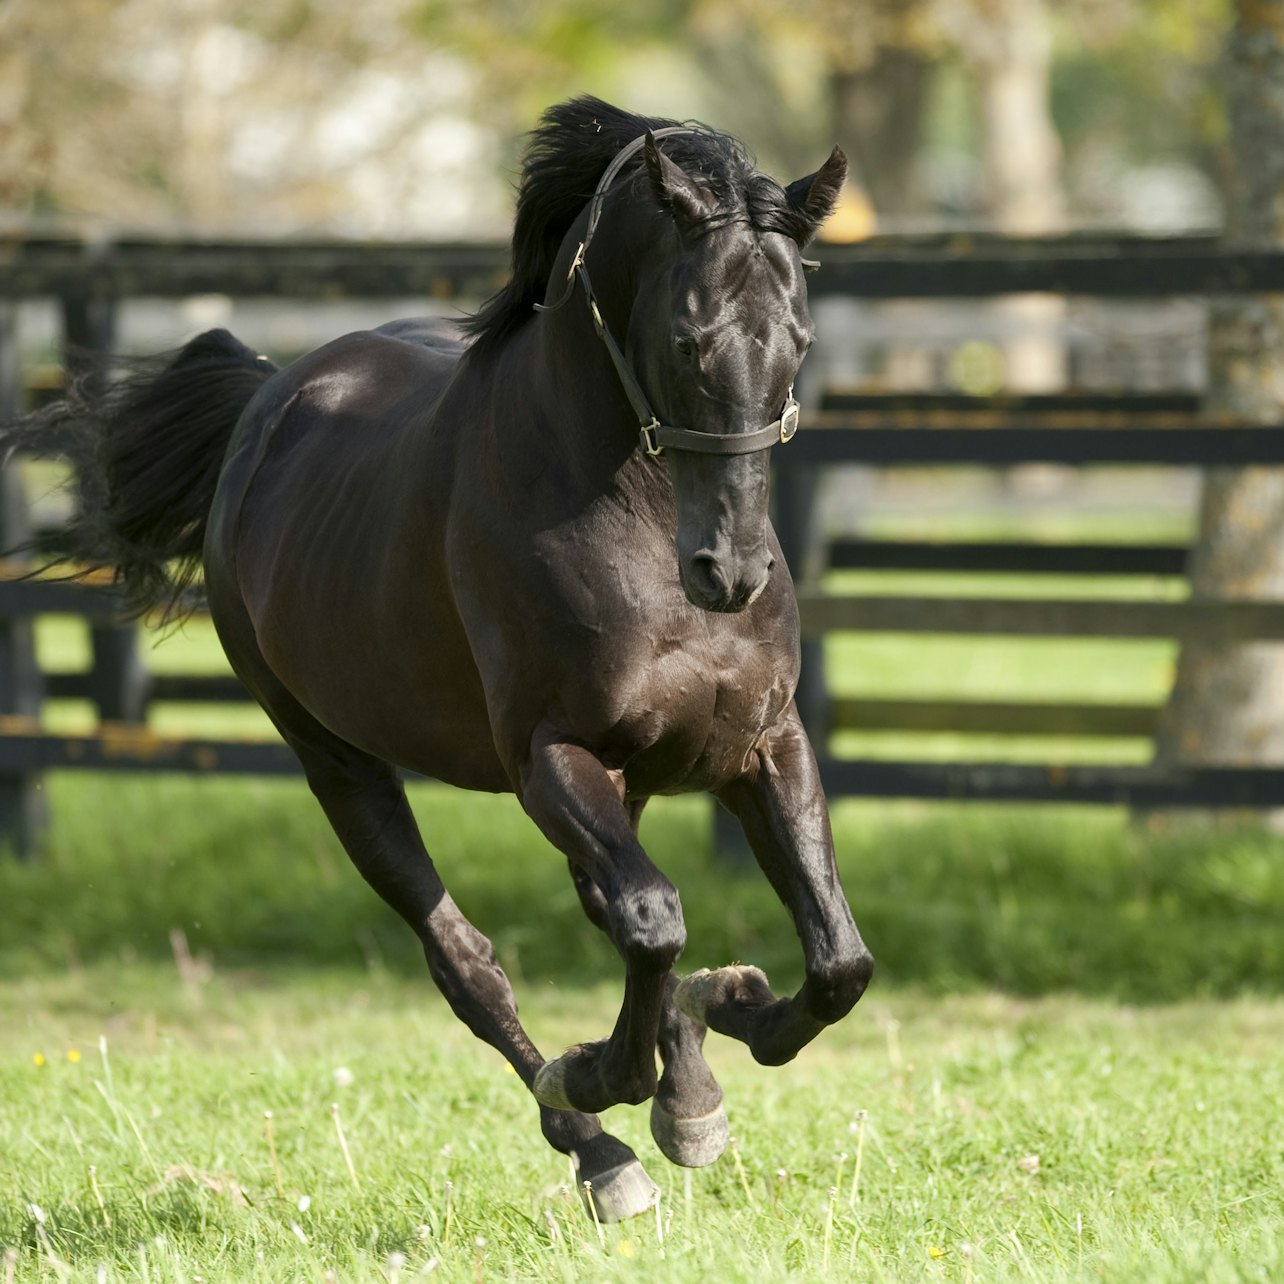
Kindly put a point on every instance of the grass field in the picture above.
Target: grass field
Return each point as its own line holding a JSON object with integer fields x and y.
{"x": 1068, "y": 1066}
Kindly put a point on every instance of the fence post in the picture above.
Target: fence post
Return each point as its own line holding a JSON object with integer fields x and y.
{"x": 118, "y": 680}
{"x": 22, "y": 799}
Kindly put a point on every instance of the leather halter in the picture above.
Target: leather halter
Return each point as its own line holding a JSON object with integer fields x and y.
{"x": 654, "y": 435}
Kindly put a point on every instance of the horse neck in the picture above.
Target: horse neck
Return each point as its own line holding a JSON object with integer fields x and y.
{"x": 577, "y": 391}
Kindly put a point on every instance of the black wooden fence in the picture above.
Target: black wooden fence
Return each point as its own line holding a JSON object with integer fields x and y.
{"x": 89, "y": 279}
{"x": 1002, "y": 436}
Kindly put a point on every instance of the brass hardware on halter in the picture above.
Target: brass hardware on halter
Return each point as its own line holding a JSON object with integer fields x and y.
{"x": 789, "y": 419}
{"x": 649, "y": 443}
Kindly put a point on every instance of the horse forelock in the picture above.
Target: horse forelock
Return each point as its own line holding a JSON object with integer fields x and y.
{"x": 566, "y": 156}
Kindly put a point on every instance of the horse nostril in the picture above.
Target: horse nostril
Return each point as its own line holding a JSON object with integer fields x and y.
{"x": 708, "y": 575}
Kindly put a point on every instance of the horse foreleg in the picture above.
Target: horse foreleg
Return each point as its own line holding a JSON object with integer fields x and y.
{"x": 366, "y": 805}
{"x": 781, "y": 805}
{"x": 687, "y": 1119}
{"x": 579, "y": 806}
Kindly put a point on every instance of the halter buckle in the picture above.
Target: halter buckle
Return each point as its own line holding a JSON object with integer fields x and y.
{"x": 789, "y": 421}
{"x": 649, "y": 443}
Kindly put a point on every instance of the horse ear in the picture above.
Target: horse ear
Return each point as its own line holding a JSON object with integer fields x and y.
{"x": 815, "y": 196}
{"x": 676, "y": 189}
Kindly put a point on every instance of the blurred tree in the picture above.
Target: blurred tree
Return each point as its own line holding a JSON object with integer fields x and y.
{"x": 1008, "y": 43}
{"x": 881, "y": 57}
{"x": 865, "y": 63}
{"x": 258, "y": 114}
{"x": 272, "y": 114}
{"x": 1227, "y": 702}
{"x": 1135, "y": 84}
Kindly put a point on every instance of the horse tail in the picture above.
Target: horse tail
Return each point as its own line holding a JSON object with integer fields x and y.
{"x": 145, "y": 438}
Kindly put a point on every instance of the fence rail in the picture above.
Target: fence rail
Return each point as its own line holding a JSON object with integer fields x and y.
{"x": 958, "y": 265}
{"x": 1164, "y": 429}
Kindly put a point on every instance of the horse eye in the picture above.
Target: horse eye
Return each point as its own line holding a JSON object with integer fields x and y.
{"x": 684, "y": 344}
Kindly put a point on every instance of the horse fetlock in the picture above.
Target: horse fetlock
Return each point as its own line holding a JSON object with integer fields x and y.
{"x": 549, "y": 1085}
{"x": 587, "y": 1079}
{"x": 633, "y": 1089}
{"x": 720, "y": 997}
{"x": 834, "y": 988}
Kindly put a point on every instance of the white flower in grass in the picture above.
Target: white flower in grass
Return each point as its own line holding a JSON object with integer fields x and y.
{"x": 343, "y": 1077}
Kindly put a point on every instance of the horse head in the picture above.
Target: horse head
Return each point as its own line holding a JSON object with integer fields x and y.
{"x": 718, "y": 329}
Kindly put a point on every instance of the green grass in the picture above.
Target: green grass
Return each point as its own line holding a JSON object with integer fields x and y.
{"x": 1001, "y": 1140}
{"x": 1067, "y": 1067}
{"x": 950, "y": 898}
{"x": 1052, "y": 983}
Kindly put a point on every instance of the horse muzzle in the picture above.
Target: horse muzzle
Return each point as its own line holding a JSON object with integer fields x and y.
{"x": 723, "y": 584}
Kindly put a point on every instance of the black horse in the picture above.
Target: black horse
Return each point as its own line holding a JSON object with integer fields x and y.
{"x": 452, "y": 550}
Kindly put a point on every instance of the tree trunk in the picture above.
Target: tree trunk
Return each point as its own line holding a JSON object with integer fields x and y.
{"x": 1012, "y": 51}
{"x": 878, "y": 114}
{"x": 1227, "y": 702}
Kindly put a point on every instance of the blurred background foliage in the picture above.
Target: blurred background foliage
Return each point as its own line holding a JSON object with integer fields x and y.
{"x": 404, "y": 117}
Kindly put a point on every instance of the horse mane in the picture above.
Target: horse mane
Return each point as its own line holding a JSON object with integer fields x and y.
{"x": 566, "y": 155}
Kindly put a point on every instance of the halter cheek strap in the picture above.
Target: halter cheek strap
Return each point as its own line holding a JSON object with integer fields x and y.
{"x": 653, "y": 435}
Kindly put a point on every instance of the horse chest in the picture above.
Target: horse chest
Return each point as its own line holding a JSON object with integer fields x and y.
{"x": 693, "y": 716}
{"x": 674, "y": 696}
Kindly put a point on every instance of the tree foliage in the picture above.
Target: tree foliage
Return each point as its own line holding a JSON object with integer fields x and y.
{"x": 274, "y": 114}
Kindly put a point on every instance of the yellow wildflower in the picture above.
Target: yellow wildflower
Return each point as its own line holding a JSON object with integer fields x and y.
{"x": 38, "y": 1058}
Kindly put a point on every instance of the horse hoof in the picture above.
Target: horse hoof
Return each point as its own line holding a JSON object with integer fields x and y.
{"x": 696, "y": 994}
{"x": 692, "y": 1143}
{"x": 549, "y": 1088}
{"x": 619, "y": 1193}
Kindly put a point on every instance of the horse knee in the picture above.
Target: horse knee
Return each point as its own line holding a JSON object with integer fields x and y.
{"x": 836, "y": 982}
{"x": 647, "y": 925}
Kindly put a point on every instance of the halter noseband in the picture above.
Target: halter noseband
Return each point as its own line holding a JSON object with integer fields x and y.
{"x": 654, "y": 435}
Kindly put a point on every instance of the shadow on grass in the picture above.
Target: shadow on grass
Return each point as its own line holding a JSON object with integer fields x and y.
{"x": 1029, "y": 901}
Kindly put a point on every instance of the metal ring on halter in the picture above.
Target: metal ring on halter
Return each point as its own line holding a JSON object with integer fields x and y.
{"x": 649, "y": 444}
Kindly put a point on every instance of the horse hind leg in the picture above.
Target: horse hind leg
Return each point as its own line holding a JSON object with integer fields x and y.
{"x": 688, "y": 1121}
{"x": 366, "y": 804}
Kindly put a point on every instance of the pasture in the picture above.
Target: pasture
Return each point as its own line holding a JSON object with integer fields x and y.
{"x": 1068, "y": 1066}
